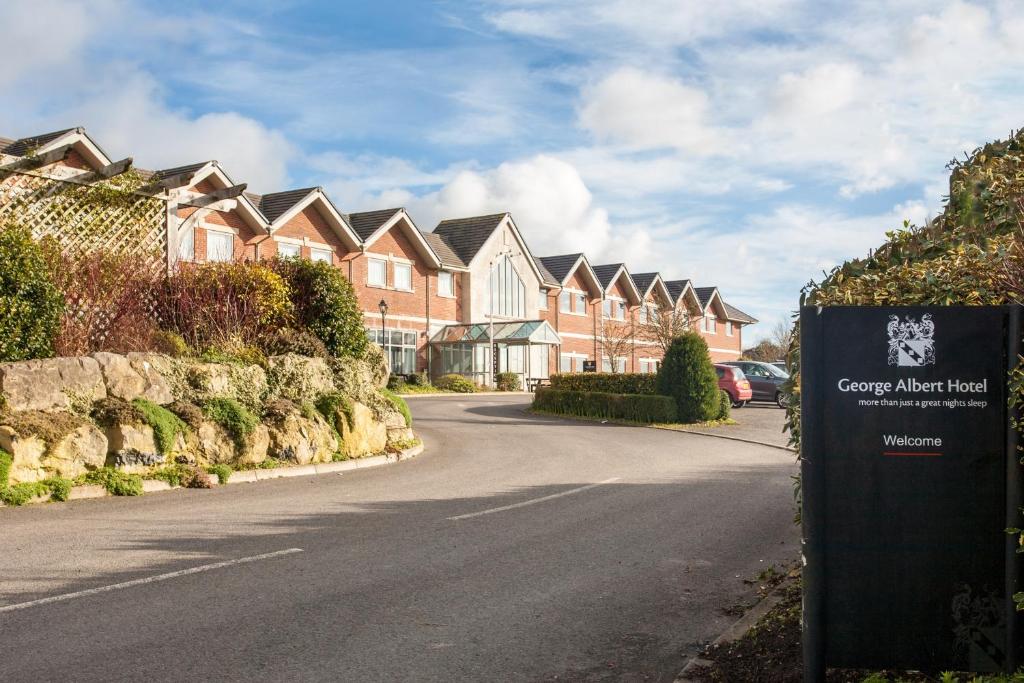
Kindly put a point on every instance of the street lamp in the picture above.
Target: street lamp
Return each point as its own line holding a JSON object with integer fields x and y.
{"x": 383, "y": 306}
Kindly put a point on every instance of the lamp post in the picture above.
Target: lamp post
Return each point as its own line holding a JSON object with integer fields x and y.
{"x": 383, "y": 306}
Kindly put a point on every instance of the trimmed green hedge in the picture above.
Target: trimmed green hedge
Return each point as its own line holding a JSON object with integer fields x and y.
{"x": 607, "y": 382}
{"x": 635, "y": 407}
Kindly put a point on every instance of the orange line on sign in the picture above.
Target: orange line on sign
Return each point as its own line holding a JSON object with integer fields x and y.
{"x": 911, "y": 455}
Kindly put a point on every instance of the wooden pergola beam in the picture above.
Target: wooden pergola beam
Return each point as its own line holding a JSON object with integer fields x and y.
{"x": 172, "y": 182}
{"x": 216, "y": 196}
{"x": 54, "y": 155}
{"x": 116, "y": 168}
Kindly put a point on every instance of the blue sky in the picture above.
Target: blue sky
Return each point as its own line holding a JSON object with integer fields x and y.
{"x": 748, "y": 144}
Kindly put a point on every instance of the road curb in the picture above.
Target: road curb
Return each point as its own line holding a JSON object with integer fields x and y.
{"x": 733, "y": 633}
{"x": 251, "y": 476}
{"x": 475, "y": 394}
{"x": 726, "y": 436}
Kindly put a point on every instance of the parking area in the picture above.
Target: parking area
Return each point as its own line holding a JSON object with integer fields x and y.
{"x": 762, "y": 422}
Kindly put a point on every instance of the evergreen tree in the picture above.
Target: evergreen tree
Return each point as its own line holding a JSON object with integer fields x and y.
{"x": 688, "y": 376}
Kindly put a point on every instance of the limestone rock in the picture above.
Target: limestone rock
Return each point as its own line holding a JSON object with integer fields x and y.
{"x": 51, "y": 383}
{"x": 256, "y": 446}
{"x": 131, "y": 437}
{"x": 400, "y": 435}
{"x": 247, "y": 383}
{"x": 215, "y": 445}
{"x": 299, "y": 378}
{"x": 134, "y": 376}
{"x": 361, "y": 434}
{"x": 131, "y": 460}
{"x": 27, "y": 453}
{"x": 301, "y": 440}
{"x": 82, "y": 450}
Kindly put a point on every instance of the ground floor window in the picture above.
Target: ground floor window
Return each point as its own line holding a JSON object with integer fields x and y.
{"x": 606, "y": 364}
{"x": 399, "y": 346}
{"x": 648, "y": 366}
{"x": 571, "y": 362}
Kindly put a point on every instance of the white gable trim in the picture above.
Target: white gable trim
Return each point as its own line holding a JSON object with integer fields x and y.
{"x": 327, "y": 210}
{"x": 417, "y": 238}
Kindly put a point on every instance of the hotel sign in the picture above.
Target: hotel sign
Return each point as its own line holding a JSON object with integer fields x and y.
{"x": 909, "y": 477}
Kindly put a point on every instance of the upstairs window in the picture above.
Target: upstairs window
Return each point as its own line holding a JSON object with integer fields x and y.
{"x": 403, "y": 276}
{"x": 321, "y": 255}
{"x": 620, "y": 310}
{"x": 565, "y": 302}
{"x": 187, "y": 246}
{"x": 606, "y": 308}
{"x": 220, "y": 246}
{"x": 508, "y": 293}
{"x": 581, "y": 304}
{"x": 377, "y": 272}
{"x": 709, "y": 324}
{"x": 643, "y": 314}
{"x": 286, "y": 250}
{"x": 728, "y": 328}
{"x": 543, "y": 299}
{"x": 445, "y": 286}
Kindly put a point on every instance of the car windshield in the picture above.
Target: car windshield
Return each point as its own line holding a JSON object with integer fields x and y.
{"x": 775, "y": 371}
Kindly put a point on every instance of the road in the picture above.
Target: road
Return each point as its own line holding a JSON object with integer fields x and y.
{"x": 516, "y": 548}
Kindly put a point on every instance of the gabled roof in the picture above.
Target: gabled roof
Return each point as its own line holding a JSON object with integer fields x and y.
{"x": 373, "y": 224}
{"x": 170, "y": 172}
{"x": 646, "y": 282}
{"x": 449, "y": 259}
{"x": 545, "y": 275}
{"x": 365, "y": 223}
{"x": 677, "y": 287}
{"x": 275, "y": 204}
{"x": 44, "y": 142}
{"x": 709, "y": 296}
{"x": 563, "y": 266}
{"x": 281, "y": 207}
{"x": 466, "y": 236}
{"x": 739, "y": 316}
{"x": 609, "y": 273}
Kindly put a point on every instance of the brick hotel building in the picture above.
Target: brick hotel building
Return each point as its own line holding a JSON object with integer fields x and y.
{"x": 450, "y": 295}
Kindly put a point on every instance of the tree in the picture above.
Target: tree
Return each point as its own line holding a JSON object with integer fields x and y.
{"x": 782, "y": 335}
{"x": 688, "y": 376}
{"x": 774, "y": 347}
{"x": 616, "y": 341}
{"x": 30, "y": 304}
{"x": 663, "y": 326}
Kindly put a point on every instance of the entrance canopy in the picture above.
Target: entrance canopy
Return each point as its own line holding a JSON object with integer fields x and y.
{"x": 517, "y": 332}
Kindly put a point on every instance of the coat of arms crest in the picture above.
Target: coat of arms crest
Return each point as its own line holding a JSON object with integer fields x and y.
{"x": 910, "y": 341}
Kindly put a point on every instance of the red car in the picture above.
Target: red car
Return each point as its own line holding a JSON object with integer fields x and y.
{"x": 732, "y": 381}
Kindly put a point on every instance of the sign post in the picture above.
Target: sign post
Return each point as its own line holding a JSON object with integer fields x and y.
{"x": 910, "y": 476}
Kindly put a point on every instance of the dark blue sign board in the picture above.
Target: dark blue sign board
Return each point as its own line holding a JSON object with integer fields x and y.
{"x": 910, "y": 477}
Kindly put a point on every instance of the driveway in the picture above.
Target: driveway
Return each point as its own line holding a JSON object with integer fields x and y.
{"x": 516, "y": 549}
{"x": 757, "y": 422}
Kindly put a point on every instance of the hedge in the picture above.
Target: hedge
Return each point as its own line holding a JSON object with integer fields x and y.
{"x": 688, "y": 376}
{"x": 635, "y": 407}
{"x": 607, "y": 382}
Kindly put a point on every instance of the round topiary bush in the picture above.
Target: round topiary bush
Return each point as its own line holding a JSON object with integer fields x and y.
{"x": 456, "y": 383}
{"x": 30, "y": 303}
{"x": 325, "y": 304}
{"x": 688, "y": 376}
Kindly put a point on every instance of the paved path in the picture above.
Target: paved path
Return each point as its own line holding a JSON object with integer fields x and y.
{"x": 758, "y": 422}
{"x": 515, "y": 549}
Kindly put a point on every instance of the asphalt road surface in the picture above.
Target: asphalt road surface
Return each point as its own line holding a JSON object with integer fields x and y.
{"x": 516, "y": 548}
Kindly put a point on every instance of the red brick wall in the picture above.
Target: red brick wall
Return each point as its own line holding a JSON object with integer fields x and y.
{"x": 246, "y": 238}
{"x": 311, "y": 225}
{"x": 443, "y": 307}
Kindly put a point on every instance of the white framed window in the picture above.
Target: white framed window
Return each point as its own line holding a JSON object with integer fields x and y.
{"x": 400, "y": 347}
{"x": 581, "y": 304}
{"x": 565, "y": 363}
{"x": 321, "y": 255}
{"x": 643, "y": 313}
{"x": 403, "y": 276}
{"x": 543, "y": 305}
{"x": 565, "y": 302}
{"x": 220, "y": 246}
{"x": 606, "y": 308}
{"x": 508, "y": 292}
{"x": 288, "y": 250}
{"x": 580, "y": 360}
{"x": 728, "y": 328}
{"x": 620, "y": 310}
{"x": 709, "y": 324}
{"x": 606, "y": 364}
{"x": 445, "y": 284}
{"x": 377, "y": 272}
{"x": 187, "y": 246}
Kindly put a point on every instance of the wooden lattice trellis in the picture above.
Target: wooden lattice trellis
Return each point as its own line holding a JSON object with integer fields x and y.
{"x": 83, "y": 217}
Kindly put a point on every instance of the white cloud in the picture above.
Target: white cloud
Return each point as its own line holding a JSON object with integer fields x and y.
{"x": 648, "y": 111}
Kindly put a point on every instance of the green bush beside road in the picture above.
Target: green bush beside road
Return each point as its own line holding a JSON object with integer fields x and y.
{"x": 611, "y": 383}
{"x": 634, "y": 407}
{"x": 688, "y": 376}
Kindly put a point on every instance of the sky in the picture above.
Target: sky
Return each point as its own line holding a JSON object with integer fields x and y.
{"x": 746, "y": 144}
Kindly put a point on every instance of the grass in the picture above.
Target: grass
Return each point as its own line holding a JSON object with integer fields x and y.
{"x": 422, "y": 389}
{"x": 116, "y": 482}
{"x": 331, "y": 405}
{"x": 400, "y": 405}
{"x": 235, "y": 418}
{"x": 166, "y": 425}
{"x": 222, "y": 472}
{"x": 14, "y": 495}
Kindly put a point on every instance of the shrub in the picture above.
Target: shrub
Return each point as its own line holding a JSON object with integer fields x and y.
{"x": 290, "y": 340}
{"x": 646, "y": 408}
{"x": 400, "y": 405}
{"x": 278, "y": 409}
{"x": 166, "y": 425}
{"x": 232, "y": 416}
{"x": 508, "y": 381}
{"x": 234, "y": 351}
{"x": 218, "y": 303}
{"x": 194, "y": 477}
{"x": 724, "y": 406}
{"x": 110, "y": 412}
{"x": 456, "y": 383}
{"x": 222, "y": 472}
{"x": 31, "y": 305}
{"x": 418, "y": 379}
{"x": 108, "y": 300}
{"x": 688, "y": 375}
{"x": 190, "y": 413}
{"x": 612, "y": 383}
{"x": 325, "y": 304}
{"x": 116, "y": 482}
{"x": 171, "y": 344}
{"x": 396, "y": 382}
{"x": 335, "y": 405}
